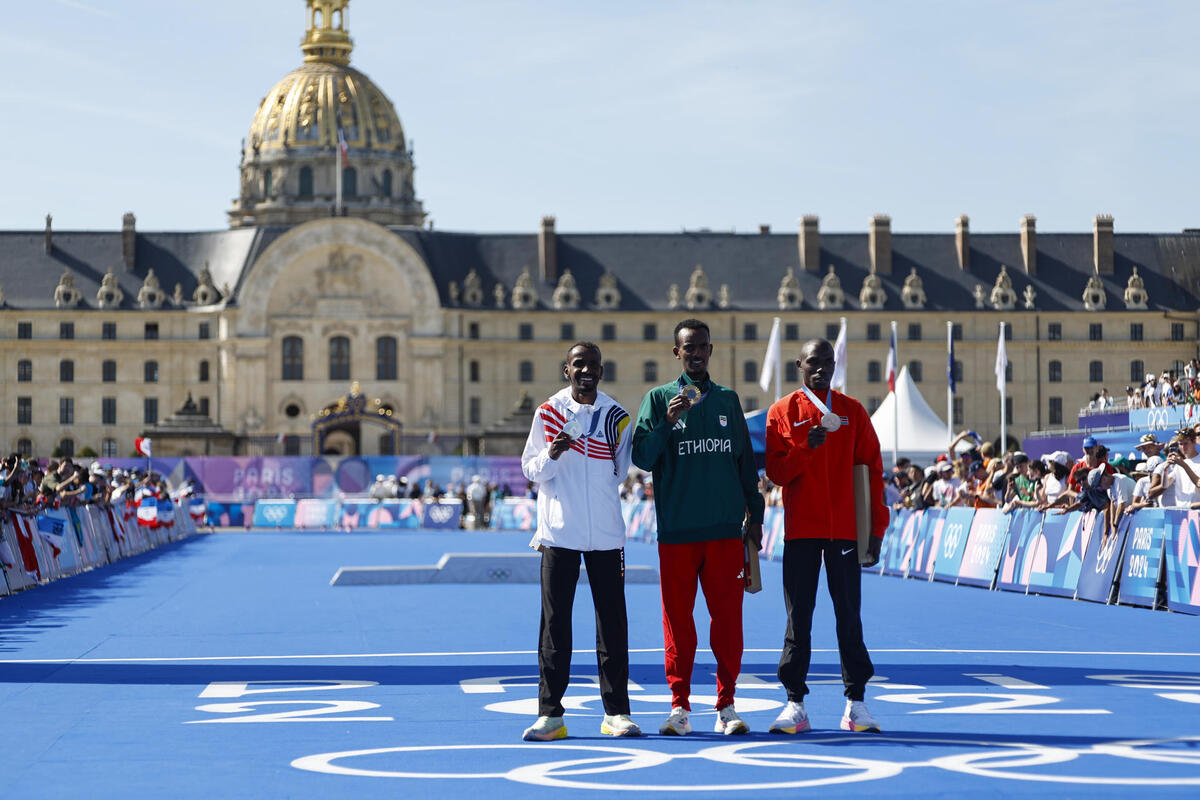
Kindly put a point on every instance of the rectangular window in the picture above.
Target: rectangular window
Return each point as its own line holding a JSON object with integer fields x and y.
{"x": 24, "y": 410}
{"x": 66, "y": 371}
{"x": 959, "y": 413}
{"x": 914, "y": 331}
{"x": 872, "y": 404}
{"x": 750, "y": 371}
{"x": 791, "y": 373}
{"x": 526, "y": 371}
{"x": 291, "y": 445}
{"x": 1096, "y": 332}
{"x": 108, "y": 331}
{"x": 204, "y": 406}
{"x": 1176, "y": 331}
{"x": 1008, "y": 334}
{"x": 108, "y": 448}
{"x": 24, "y": 330}
{"x": 566, "y": 332}
{"x": 750, "y": 332}
{"x": 650, "y": 372}
{"x": 1054, "y": 332}
{"x": 831, "y": 331}
{"x": 473, "y": 412}
{"x": 151, "y": 330}
{"x": 108, "y": 371}
{"x": 108, "y": 411}
{"x": 791, "y": 332}
{"x": 24, "y": 371}
{"x": 1056, "y": 411}
{"x": 873, "y": 332}
{"x": 150, "y": 369}
{"x": 66, "y": 330}
{"x": 956, "y": 331}
{"x": 610, "y": 371}
{"x": 649, "y": 332}
{"x": 150, "y": 410}
{"x": 473, "y": 371}
{"x": 1135, "y": 331}
{"x": 525, "y": 331}
{"x": 749, "y": 404}
{"x": 66, "y": 411}
{"x": 1008, "y": 411}
{"x": 205, "y": 330}
{"x": 608, "y": 332}
{"x": 473, "y": 330}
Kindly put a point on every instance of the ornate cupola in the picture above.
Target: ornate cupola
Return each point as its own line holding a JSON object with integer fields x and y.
{"x": 292, "y": 157}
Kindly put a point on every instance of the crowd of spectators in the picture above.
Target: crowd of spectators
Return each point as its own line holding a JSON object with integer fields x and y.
{"x": 26, "y": 486}
{"x": 1154, "y": 474}
{"x": 1156, "y": 391}
{"x": 478, "y": 496}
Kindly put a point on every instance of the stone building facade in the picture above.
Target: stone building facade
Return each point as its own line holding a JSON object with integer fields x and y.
{"x": 447, "y": 334}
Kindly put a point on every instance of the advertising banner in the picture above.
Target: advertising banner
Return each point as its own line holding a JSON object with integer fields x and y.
{"x": 902, "y": 529}
{"x": 1183, "y": 563}
{"x": 1100, "y": 562}
{"x": 378, "y": 514}
{"x": 1055, "y": 557}
{"x": 643, "y": 525}
{"x": 58, "y": 542}
{"x": 517, "y": 514}
{"x": 442, "y": 515}
{"x": 1024, "y": 527}
{"x": 23, "y": 571}
{"x": 275, "y": 514}
{"x": 952, "y": 544}
{"x": 314, "y": 513}
{"x": 1142, "y": 563}
{"x": 985, "y": 544}
{"x": 773, "y": 532}
{"x": 919, "y": 555}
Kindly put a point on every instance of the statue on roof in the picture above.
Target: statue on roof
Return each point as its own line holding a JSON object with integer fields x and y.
{"x": 1003, "y": 298}
{"x": 66, "y": 295}
{"x": 830, "y": 295}
{"x": 789, "y": 295}
{"x": 1094, "y": 296}
{"x": 1030, "y": 295}
{"x": 498, "y": 293}
{"x": 524, "y": 295}
{"x": 723, "y": 296}
{"x": 913, "y": 293}
{"x": 608, "y": 296}
{"x": 566, "y": 294}
{"x": 151, "y": 294}
{"x": 109, "y": 295}
{"x": 980, "y": 296}
{"x": 698, "y": 295}
{"x": 1136, "y": 298}
{"x": 472, "y": 292}
{"x": 872, "y": 296}
{"x": 206, "y": 293}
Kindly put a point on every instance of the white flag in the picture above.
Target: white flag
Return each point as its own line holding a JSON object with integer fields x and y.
{"x": 771, "y": 359}
{"x": 1001, "y": 361}
{"x": 839, "y": 360}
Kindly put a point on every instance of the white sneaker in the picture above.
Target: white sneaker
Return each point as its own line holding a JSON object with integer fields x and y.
{"x": 793, "y": 719}
{"x": 619, "y": 725}
{"x": 858, "y": 719}
{"x": 729, "y": 723}
{"x": 546, "y": 729}
{"x": 677, "y": 724}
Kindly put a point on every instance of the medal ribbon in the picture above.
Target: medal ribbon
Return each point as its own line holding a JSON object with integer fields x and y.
{"x": 816, "y": 400}
{"x": 703, "y": 395}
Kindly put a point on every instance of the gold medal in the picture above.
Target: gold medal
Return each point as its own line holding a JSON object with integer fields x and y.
{"x": 691, "y": 392}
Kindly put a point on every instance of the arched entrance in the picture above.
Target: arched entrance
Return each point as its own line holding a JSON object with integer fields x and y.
{"x": 338, "y": 428}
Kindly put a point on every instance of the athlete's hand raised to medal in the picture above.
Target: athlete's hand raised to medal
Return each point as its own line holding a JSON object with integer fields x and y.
{"x": 679, "y": 404}
{"x": 816, "y": 436}
{"x": 559, "y": 445}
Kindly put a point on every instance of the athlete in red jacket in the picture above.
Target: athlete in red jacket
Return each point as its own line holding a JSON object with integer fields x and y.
{"x": 815, "y": 437}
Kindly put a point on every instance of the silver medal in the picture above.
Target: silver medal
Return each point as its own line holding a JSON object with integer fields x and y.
{"x": 573, "y": 429}
{"x": 830, "y": 421}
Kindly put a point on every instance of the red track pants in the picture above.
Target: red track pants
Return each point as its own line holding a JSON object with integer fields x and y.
{"x": 718, "y": 565}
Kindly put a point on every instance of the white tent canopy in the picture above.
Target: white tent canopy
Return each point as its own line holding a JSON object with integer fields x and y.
{"x": 922, "y": 432}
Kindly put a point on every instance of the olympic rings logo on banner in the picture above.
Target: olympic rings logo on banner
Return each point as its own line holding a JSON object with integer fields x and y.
{"x": 274, "y": 513}
{"x": 1158, "y": 418}
{"x": 1010, "y": 761}
{"x": 440, "y": 513}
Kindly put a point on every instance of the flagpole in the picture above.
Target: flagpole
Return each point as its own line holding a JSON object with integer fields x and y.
{"x": 896, "y": 401}
{"x": 778, "y": 363}
{"x": 1003, "y": 396}
{"x": 950, "y": 383}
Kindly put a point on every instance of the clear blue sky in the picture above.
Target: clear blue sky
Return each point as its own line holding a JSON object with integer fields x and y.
{"x": 632, "y": 116}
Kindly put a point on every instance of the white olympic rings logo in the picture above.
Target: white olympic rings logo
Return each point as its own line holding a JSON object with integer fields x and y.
{"x": 439, "y": 513}
{"x": 1007, "y": 762}
{"x": 1157, "y": 418}
{"x": 274, "y": 513}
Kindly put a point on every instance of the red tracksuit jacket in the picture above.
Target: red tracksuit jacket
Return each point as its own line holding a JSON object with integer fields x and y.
{"x": 818, "y": 485}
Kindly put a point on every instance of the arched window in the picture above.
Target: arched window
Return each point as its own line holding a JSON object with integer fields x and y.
{"x": 339, "y": 358}
{"x": 24, "y": 371}
{"x": 1137, "y": 371}
{"x": 650, "y": 372}
{"x": 306, "y": 183}
{"x": 25, "y": 448}
{"x": 1096, "y": 371}
{"x": 293, "y": 358}
{"x": 267, "y": 183}
{"x": 349, "y": 182}
{"x": 385, "y": 358}
{"x": 204, "y": 372}
{"x": 386, "y": 185}
{"x": 873, "y": 372}
{"x": 150, "y": 372}
{"x": 1055, "y": 372}
{"x": 915, "y": 371}
{"x": 525, "y": 369}
{"x": 66, "y": 370}
{"x": 108, "y": 371}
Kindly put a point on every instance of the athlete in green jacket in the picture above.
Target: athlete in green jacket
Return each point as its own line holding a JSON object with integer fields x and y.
{"x": 691, "y": 435}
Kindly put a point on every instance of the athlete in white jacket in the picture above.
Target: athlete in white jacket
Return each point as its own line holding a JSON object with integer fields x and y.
{"x": 578, "y": 452}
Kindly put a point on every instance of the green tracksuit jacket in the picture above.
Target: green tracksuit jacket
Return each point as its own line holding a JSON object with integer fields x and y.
{"x": 705, "y": 479}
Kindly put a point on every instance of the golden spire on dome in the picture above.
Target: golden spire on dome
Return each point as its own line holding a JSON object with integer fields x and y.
{"x": 328, "y": 38}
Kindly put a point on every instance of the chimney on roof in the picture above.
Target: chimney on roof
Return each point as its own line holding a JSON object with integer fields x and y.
{"x": 548, "y": 251}
{"x": 879, "y": 242}
{"x": 764, "y": 228}
{"x": 128, "y": 239}
{"x": 810, "y": 243}
{"x": 1029, "y": 243}
{"x": 49, "y": 235}
{"x": 1102, "y": 244}
{"x": 962, "y": 241}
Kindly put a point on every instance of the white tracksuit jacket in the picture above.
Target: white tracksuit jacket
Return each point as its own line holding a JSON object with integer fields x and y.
{"x": 579, "y": 503}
